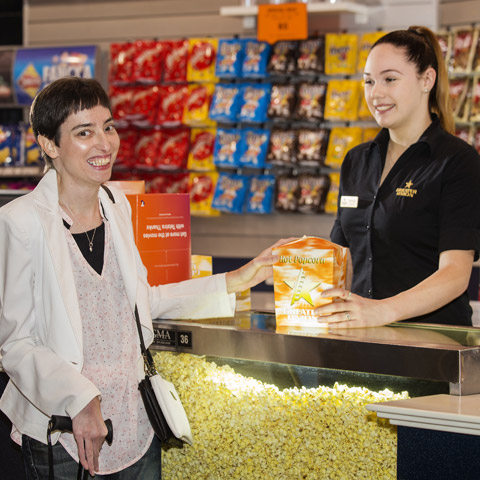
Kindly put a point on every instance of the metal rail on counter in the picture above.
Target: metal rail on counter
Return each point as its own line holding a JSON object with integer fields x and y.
{"x": 431, "y": 352}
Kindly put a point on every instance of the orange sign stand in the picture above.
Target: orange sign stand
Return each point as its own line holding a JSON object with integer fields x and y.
{"x": 287, "y": 21}
{"x": 161, "y": 224}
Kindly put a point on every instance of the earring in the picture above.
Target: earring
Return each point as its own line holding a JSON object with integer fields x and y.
{"x": 425, "y": 90}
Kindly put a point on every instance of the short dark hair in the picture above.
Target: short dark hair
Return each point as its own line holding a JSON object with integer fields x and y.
{"x": 60, "y": 99}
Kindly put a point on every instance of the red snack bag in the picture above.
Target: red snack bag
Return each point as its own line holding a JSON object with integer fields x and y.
{"x": 175, "y": 61}
{"x": 167, "y": 183}
{"x": 121, "y": 103}
{"x": 173, "y": 149}
{"x": 145, "y": 105}
{"x": 121, "y": 63}
{"x": 126, "y": 152}
{"x": 172, "y": 102}
{"x": 147, "y": 63}
{"x": 147, "y": 148}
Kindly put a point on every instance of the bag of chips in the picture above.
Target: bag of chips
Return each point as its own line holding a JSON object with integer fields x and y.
{"x": 230, "y": 56}
{"x": 366, "y": 42}
{"x": 197, "y": 104}
{"x": 286, "y": 194}
{"x": 202, "y": 54}
{"x": 200, "y": 156}
{"x": 311, "y": 56}
{"x": 260, "y": 194}
{"x": 342, "y": 100}
{"x": 341, "y": 53}
{"x": 202, "y": 188}
{"x": 283, "y": 58}
{"x": 312, "y": 193}
{"x": 255, "y": 99}
{"x": 226, "y": 102}
{"x": 175, "y": 61}
{"x": 253, "y": 147}
{"x": 311, "y": 101}
{"x": 230, "y": 192}
{"x": 463, "y": 49}
{"x": 257, "y": 55}
{"x": 226, "y": 151}
{"x": 305, "y": 268}
{"x": 342, "y": 139}
{"x": 282, "y": 101}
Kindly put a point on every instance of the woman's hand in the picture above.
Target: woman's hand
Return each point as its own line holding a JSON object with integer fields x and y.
{"x": 255, "y": 271}
{"x": 89, "y": 431}
{"x": 352, "y": 311}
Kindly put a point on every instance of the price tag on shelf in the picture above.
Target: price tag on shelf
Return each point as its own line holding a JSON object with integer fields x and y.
{"x": 286, "y": 21}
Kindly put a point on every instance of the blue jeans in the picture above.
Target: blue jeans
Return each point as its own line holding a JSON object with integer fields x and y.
{"x": 35, "y": 457}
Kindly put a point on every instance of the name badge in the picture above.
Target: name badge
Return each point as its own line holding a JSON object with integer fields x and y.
{"x": 348, "y": 202}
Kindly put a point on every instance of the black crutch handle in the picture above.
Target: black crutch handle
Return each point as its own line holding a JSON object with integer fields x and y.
{"x": 64, "y": 424}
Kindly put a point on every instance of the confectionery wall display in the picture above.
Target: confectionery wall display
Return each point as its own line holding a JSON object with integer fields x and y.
{"x": 245, "y": 126}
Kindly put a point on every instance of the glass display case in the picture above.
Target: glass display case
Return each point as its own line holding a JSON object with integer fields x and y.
{"x": 271, "y": 403}
{"x": 428, "y": 358}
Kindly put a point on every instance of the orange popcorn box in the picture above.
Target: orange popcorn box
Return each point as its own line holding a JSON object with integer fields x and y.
{"x": 306, "y": 267}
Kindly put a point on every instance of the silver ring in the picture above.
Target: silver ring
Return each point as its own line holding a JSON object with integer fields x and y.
{"x": 347, "y": 316}
{"x": 348, "y": 296}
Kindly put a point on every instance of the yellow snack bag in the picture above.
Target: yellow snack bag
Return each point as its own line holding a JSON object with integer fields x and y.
{"x": 201, "y": 265}
{"x": 306, "y": 267}
{"x": 202, "y": 188}
{"x": 341, "y": 140}
{"x": 366, "y": 42}
{"x": 198, "y": 104}
{"x": 332, "y": 195}
{"x": 202, "y": 53}
{"x": 200, "y": 156}
{"x": 32, "y": 152}
{"x": 342, "y": 99}
{"x": 363, "y": 110}
{"x": 341, "y": 53}
{"x": 370, "y": 133}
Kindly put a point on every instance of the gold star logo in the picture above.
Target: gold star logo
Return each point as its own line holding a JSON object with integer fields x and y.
{"x": 301, "y": 288}
{"x": 409, "y": 184}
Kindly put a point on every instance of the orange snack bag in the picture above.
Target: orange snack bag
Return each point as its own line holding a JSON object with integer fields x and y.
{"x": 306, "y": 267}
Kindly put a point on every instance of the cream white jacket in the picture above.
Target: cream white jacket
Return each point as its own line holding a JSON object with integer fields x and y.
{"x": 40, "y": 323}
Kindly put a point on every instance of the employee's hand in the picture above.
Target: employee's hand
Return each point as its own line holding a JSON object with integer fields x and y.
{"x": 353, "y": 311}
{"x": 255, "y": 271}
{"x": 89, "y": 431}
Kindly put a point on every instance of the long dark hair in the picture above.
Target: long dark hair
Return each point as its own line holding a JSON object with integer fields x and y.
{"x": 422, "y": 49}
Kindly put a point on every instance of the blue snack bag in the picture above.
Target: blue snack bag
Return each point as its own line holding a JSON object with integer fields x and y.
{"x": 230, "y": 192}
{"x": 230, "y": 54}
{"x": 255, "y": 99}
{"x": 261, "y": 194}
{"x": 253, "y": 147}
{"x": 225, "y": 151}
{"x": 225, "y": 103}
{"x": 257, "y": 56}
{"x": 7, "y": 153}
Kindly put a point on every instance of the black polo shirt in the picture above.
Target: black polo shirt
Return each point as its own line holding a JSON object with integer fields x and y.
{"x": 428, "y": 203}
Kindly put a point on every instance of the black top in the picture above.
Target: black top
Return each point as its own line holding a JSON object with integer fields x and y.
{"x": 94, "y": 257}
{"x": 428, "y": 203}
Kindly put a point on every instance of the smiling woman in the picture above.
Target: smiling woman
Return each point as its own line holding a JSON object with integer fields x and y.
{"x": 70, "y": 279}
{"x": 413, "y": 229}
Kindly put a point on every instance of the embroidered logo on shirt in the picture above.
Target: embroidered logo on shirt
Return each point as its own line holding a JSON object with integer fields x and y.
{"x": 407, "y": 191}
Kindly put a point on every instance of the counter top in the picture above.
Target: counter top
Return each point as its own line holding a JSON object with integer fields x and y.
{"x": 432, "y": 352}
{"x": 449, "y": 413}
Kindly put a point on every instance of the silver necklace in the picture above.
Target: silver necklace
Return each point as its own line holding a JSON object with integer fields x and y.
{"x": 90, "y": 240}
